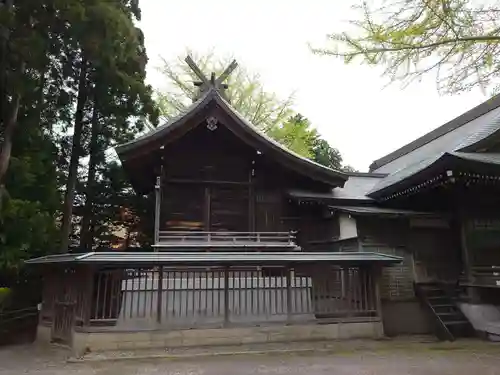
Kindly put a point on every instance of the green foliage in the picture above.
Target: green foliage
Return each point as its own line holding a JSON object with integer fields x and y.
{"x": 27, "y": 219}
{"x": 457, "y": 40}
{"x": 245, "y": 91}
{"x": 59, "y": 52}
{"x": 326, "y": 155}
{"x": 5, "y": 294}
{"x": 297, "y": 135}
{"x": 248, "y": 96}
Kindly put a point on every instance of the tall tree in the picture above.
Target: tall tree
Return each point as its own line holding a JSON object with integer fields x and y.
{"x": 456, "y": 40}
{"x": 325, "y": 154}
{"x": 297, "y": 134}
{"x": 111, "y": 94}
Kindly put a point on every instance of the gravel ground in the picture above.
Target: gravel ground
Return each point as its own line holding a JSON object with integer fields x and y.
{"x": 383, "y": 361}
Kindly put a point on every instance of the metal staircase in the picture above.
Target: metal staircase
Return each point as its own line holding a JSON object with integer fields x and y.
{"x": 440, "y": 299}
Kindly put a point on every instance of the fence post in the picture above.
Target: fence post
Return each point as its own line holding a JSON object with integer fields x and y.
{"x": 289, "y": 294}
{"x": 226, "y": 296}
{"x": 159, "y": 299}
{"x": 157, "y": 211}
{"x": 377, "y": 276}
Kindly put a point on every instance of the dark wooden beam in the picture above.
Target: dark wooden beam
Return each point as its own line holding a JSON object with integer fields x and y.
{"x": 226, "y": 73}
{"x": 196, "y": 70}
{"x": 201, "y": 182}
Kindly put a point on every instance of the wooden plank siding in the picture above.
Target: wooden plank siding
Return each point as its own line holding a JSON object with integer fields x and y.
{"x": 227, "y": 187}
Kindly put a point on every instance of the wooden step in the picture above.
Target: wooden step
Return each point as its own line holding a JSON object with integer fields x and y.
{"x": 444, "y": 305}
{"x": 455, "y": 322}
{"x": 448, "y": 313}
{"x": 434, "y": 298}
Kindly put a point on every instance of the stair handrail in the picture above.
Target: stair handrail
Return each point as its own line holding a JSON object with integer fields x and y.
{"x": 423, "y": 298}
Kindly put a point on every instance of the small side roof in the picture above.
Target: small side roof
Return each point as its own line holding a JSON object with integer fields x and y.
{"x": 241, "y": 127}
{"x": 459, "y": 134}
{"x": 201, "y": 258}
{"x": 381, "y": 211}
{"x": 355, "y": 189}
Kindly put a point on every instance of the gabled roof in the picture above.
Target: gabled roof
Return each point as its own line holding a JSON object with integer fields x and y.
{"x": 241, "y": 127}
{"x": 458, "y": 134}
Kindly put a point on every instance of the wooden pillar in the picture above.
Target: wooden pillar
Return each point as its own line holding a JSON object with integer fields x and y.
{"x": 207, "y": 209}
{"x": 226, "y": 296}
{"x": 463, "y": 245}
{"x": 377, "y": 280}
{"x": 88, "y": 294}
{"x": 157, "y": 211}
{"x": 289, "y": 294}
{"x": 251, "y": 201}
{"x": 159, "y": 300}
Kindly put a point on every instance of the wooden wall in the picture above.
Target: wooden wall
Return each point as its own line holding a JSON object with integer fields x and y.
{"x": 390, "y": 236}
{"x": 213, "y": 181}
{"x": 429, "y": 253}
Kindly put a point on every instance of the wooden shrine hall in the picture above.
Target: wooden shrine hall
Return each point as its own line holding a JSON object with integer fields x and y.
{"x": 254, "y": 243}
{"x": 231, "y": 259}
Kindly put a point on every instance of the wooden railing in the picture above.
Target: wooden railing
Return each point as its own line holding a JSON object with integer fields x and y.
{"x": 485, "y": 276}
{"x": 18, "y": 326}
{"x": 441, "y": 330}
{"x": 196, "y": 297}
{"x": 196, "y": 240}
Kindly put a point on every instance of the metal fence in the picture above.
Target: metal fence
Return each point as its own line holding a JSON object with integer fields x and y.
{"x": 201, "y": 297}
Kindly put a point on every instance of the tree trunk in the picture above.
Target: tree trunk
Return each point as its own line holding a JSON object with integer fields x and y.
{"x": 9, "y": 127}
{"x": 75, "y": 158}
{"x": 86, "y": 234}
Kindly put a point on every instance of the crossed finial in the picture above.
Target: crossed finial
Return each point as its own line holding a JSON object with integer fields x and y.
{"x": 205, "y": 84}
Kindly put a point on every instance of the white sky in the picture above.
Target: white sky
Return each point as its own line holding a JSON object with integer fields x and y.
{"x": 349, "y": 105}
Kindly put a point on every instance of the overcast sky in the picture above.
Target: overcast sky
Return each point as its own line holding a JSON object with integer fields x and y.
{"x": 349, "y": 105}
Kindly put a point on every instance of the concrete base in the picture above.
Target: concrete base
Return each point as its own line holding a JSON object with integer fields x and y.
{"x": 100, "y": 341}
{"x": 43, "y": 335}
{"x": 405, "y": 318}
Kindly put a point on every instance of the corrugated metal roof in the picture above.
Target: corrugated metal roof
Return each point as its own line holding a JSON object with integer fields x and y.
{"x": 60, "y": 258}
{"x": 371, "y": 210}
{"x": 480, "y": 117}
{"x": 231, "y": 258}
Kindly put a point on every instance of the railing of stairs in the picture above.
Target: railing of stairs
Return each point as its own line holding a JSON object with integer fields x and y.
{"x": 442, "y": 332}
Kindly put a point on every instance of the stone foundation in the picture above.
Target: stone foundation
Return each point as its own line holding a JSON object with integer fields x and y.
{"x": 43, "y": 335}
{"x": 405, "y": 318}
{"x": 100, "y": 341}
